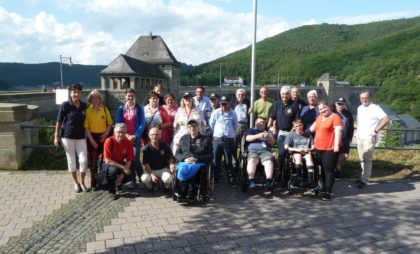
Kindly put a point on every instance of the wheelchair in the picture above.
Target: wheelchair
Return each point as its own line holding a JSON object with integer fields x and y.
{"x": 302, "y": 181}
{"x": 202, "y": 188}
{"x": 259, "y": 173}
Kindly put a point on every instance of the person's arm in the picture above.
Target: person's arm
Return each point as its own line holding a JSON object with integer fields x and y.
{"x": 108, "y": 123}
{"x": 254, "y": 137}
{"x": 235, "y": 120}
{"x": 312, "y": 127}
{"x": 57, "y": 134}
{"x": 172, "y": 165}
{"x": 212, "y": 120}
{"x": 337, "y": 137}
{"x": 181, "y": 152}
{"x": 141, "y": 122}
{"x": 350, "y": 131}
{"x": 90, "y": 138}
{"x": 384, "y": 122}
{"x": 149, "y": 170}
{"x": 125, "y": 167}
{"x": 270, "y": 139}
{"x": 207, "y": 157}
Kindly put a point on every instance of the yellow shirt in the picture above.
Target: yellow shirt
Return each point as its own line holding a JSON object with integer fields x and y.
{"x": 96, "y": 121}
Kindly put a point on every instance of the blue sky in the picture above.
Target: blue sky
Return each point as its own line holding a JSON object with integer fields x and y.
{"x": 196, "y": 31}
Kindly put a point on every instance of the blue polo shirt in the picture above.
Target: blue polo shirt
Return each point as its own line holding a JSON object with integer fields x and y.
{"x": 223, "y": 124}
{"x": 72, "y": 120}
{"x": 308, "y": 116}
{"x": 284, "y": 114}
{"x": 259, "y": 144}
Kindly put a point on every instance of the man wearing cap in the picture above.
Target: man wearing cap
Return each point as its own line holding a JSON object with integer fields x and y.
{"x": 347, "y": 132}
{"x": 310, "y": 111}
{"x": 202, "y": 102}
{"x": 194, "y": 148}
{"x": 370, "y": 120}
{"x": 281, "y": 120}
{"x": 223, "y": 122}
{"x": 242, "y": 110}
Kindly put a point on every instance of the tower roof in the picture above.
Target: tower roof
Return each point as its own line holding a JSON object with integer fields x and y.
{"x": 125, "y": 65}
{"x": 151, "y": 49}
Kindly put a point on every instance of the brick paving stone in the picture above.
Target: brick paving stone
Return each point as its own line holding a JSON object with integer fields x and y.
{"x": 380, "y": 218}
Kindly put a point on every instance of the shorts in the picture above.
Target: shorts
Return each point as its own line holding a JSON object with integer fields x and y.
{"x": 263, "y": 155}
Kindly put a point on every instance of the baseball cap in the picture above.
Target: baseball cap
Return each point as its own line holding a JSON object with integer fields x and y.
{"x": 213, "y": 95}
{"x": 187, "y": 94}
{"x": 192, "y": 121}
{"x": 224, "y": 100}
{"x": 340, "y": 100}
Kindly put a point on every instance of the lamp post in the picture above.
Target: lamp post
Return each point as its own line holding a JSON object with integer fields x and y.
{"x": 63, "y": 59}
{"x": 254, "y": 42}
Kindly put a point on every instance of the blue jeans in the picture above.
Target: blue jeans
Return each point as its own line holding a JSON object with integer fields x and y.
{"x": 136, "y": 167}
{"x": 223, "y": 147}
{"x": 111, "y": 172}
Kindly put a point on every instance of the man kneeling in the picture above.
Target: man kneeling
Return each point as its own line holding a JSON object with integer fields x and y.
{"x": 158, "y": 161}
{"x": 259, "y": 148}
{"x": 118, "y": 155}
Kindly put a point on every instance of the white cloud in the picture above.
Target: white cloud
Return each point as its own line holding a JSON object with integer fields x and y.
{"x": 99, "y": 30}
{"x": 195, "y": 31}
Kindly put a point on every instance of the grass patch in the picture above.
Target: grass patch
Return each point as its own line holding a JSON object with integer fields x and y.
{"x": 46, "y": 158}
{"x": 387, "y": 165}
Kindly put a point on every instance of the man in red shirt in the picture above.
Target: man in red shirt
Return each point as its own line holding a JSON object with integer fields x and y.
{"x": 118, "y": 155}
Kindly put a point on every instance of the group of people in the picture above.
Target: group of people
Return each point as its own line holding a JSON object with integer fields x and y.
{"x": 326, "y": 131}
{"x": 204, "y": 129}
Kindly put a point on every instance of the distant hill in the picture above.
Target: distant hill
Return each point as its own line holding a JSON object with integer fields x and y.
{"x": 15, "y": 75}
{"x": 383, "y": 53}
{"x": 36, "y": 75}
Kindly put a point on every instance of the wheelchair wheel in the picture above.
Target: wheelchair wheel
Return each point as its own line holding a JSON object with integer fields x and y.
{"x": 290, "y": 187}
{"x": 210, "y": 181}
{"x": 283, "y": 174}
{"x": 243, "y": 175}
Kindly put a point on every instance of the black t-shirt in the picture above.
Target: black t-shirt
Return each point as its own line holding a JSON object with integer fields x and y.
{"x": 72, "y": 120}
{"x": 284, "y": 115}
{"x": 157, "y": 158}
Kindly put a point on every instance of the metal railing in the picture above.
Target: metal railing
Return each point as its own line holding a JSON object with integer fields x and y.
{"x": 397, "y": 139}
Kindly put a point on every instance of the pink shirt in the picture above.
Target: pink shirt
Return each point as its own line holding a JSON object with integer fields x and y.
{"x": 130, "y": 121}
{"x": 171, "y": 112}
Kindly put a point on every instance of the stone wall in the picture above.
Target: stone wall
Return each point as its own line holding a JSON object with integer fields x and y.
{"x": 13, "y": 137}
{"x": 44, "y": 100}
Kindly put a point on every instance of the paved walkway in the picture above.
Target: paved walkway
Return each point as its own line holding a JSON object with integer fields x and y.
{"x": 40, "y": 214}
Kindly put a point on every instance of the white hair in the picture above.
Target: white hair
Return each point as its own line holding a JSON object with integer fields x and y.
{"x": 120, "y": 126}
{"x": 240, "y": 90}
{"x": 285, "y": 89}
{"x": 312, "y": 92}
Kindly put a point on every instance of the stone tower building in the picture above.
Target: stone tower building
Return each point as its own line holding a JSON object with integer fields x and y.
{"x": 148, "y": 62}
